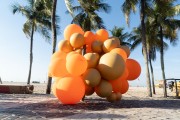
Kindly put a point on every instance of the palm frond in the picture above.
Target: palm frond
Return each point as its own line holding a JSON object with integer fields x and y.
{"x": 96, "y": 21}
{"x": 44, "y": 32}
{"x": 135, "y": 44}
{"x": 104, "y": 7}
{"x": 75, "y": 9}
{"x": 69, "y": 7}
{"x": 27, "y": 28}
{"x": 128, "y": 7}
{"x": 177, "y": 9}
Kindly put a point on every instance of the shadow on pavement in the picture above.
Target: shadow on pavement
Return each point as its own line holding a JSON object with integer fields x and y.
{"x": 53, "y": 109}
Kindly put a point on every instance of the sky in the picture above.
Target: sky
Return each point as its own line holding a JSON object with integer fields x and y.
{"x": 15, "y": 46}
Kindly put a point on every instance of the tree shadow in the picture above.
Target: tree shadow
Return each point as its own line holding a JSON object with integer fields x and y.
{"x": 54, "y": 109}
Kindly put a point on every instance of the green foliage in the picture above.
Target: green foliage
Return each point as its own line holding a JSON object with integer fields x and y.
{"x": 86, "y": 14}
{"x": 37, "y": 15}
{"x": 123, "y": 36}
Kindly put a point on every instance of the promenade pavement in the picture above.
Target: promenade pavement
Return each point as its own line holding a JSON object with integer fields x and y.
{"x": 133, "y": 106}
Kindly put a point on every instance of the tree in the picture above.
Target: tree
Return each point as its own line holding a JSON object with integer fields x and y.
{"x": 123, "y": 37}
{"x": 54, "y": 40}
{"x": 38, "y": 20}
{"x": 153, "y": 44}
{"x": 87, "y": 16}
{"x": 127, "y": 7}
{"x": 162, "y": 16}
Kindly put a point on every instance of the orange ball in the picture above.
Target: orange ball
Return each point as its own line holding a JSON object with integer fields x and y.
{"x": 65, "y": 46}
{"x": 71, "y": 53}
{"x": 57, "y": 68}
{"x": 70, "y": 29}
{"x": 89, "y": 37}
{"x": 76, "y": 64}
{"x": 134, "y": 69}
{"x": 121, "y": 52}
{"x": 88, "y": 49}
{"x": 126, "y": 49}
{"x": 58, "y": 54}
{"x": 102, "y": 35}
{"x": 54, "y": 89}
{"x": 70, "y": 90}
{"x": 119, "y": 85}
{"x": 124, "y": 86}
{"x": 77, "y": 40}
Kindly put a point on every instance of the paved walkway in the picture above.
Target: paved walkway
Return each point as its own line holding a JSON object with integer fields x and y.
{"x": 37, "y": 106}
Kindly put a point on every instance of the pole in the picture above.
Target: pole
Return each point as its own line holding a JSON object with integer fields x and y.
{"x": 176, "y": 88}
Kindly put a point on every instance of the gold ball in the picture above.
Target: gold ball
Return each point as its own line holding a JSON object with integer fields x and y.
{"x": 116, "y": 38}
{"x": 97, "y": 46}
{"x": 89, "y": 90}
{"x": 65, "y": 46}
{"x": 77, "y": 40}
{"x": 126, "y": 49}
{"x": 111, "y": 66}
{"x": 92, "y": 77}
{"x": 110, "y": 44}
{"x": 104, "y": 89}
{"x": 112, "y": 97}
{"x": 78, "y": 51}
{"x": 92, "y": 59}
{"x": 118, "y": 96}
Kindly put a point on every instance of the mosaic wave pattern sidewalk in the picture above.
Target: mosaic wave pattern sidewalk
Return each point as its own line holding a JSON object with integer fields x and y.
{"x": 37, "y": 106}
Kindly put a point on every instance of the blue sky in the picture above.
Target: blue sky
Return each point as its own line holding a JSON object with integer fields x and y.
{"x": 14, "y": 45}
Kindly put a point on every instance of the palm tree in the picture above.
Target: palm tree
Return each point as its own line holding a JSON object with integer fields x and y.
{"x": 38, "y": 20}
{"x": 87, "y": 16}
{"x": 127, "y": 7}
{"x": 152, "y": 45}
{"x": 54, "y": 39}
{"x": 162, "y": 16}
{"x": 123, "y": 37}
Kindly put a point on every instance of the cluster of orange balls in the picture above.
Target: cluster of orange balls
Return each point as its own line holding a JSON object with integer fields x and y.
{"x": 105, "y": 68}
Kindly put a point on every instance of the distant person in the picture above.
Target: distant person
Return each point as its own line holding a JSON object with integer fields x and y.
{"x": 0, "y": 81}
{"x": 171, "y": 85}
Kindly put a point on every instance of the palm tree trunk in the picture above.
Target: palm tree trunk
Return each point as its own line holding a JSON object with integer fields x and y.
{"x": 152, "y": 76}
{"x": 162, "y": 62}
{"x": 145, "y": 48}
{"x": 54, "y": 36}
{"x": 31, "y": 54}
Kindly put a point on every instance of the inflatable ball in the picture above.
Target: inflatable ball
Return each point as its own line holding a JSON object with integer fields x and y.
{"x": 92, "y": 77}
{"x": 77, "y": 40}
{"x": 65, "y": 46}
{"x": 104, "y": 89}
{"x": 111, "y": 66}
{"x": 92, "y": 59}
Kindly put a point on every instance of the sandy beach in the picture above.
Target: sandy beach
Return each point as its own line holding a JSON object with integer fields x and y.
{"x": 135, "y": 105}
